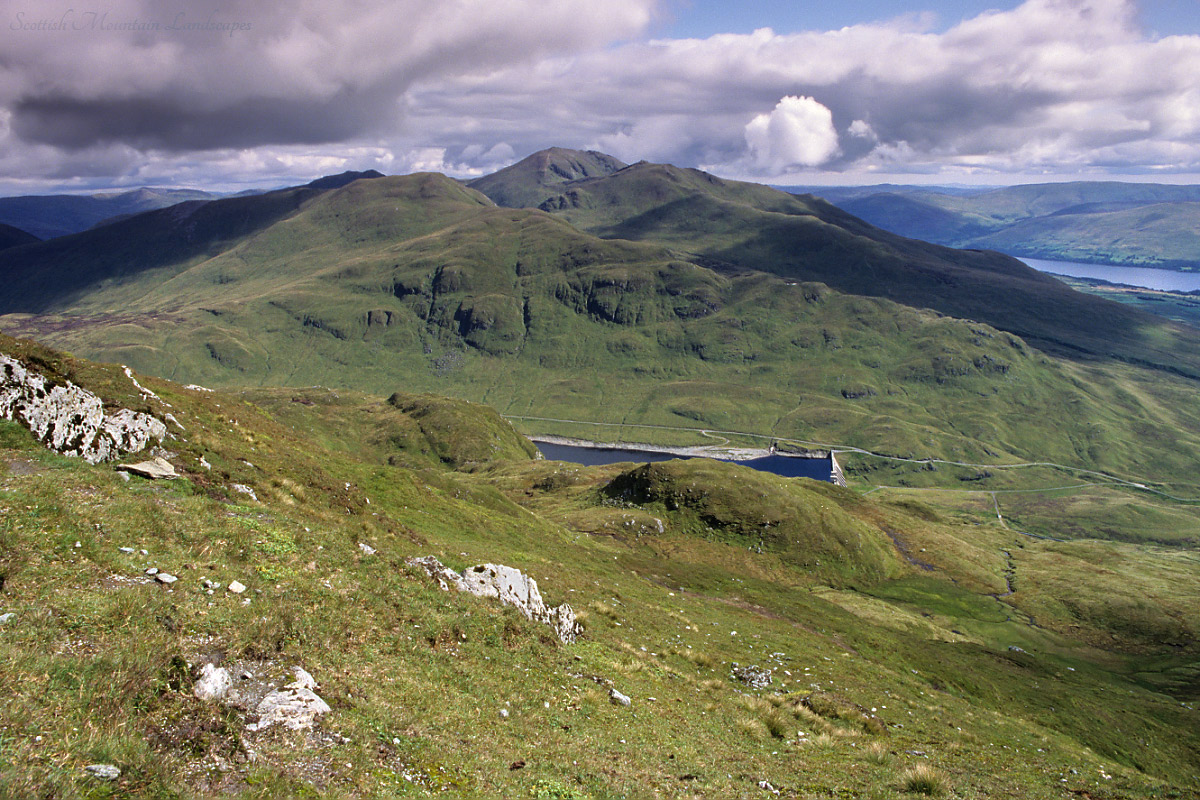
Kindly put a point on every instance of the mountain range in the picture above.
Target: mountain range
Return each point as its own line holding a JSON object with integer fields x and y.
{"x": 1151, "y": 225}
{"x": 48, "y": 216}
{"x": 644, "y": 294}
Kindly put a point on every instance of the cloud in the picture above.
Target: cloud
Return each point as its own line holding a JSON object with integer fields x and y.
{"x": 1066, "y": 86}
{"x": 798, "y": 132}
{"x": 234, "y": 73}
{"x": 1051, "y": 85}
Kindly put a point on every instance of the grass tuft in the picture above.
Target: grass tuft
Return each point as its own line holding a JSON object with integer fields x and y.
{"x": 924, "y": 779}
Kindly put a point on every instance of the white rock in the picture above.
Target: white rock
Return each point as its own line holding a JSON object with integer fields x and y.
{"x": 237, "y": 587}
{"x": 107, "y": 772}
{"x": 510, "y": 586}
{"x": 7, "y": 617}
{"x": 69, "y": 419}
{"x": 293, "y": 707}
{"x": 504, "y": 713}
{"x": 128, "y": 550}
{"x": 152, "y": 571}
{"x": 165, "y": 577}
{"x": 366, "y": 548}
{"x": 142, "y": 389}
{"x": 618, "y": 699}
{"x": 156, "y": 469}
{"x": 244, "y": 489}
{"x": 445, "y": 576}
{"x": 213, "y": 684}
{"x": 204, "y": 463}
{"x": 304, "y": 680}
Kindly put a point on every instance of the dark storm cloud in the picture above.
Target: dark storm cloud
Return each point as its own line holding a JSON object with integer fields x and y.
{"x": 168, "y": 123}
{"x": 226, "y": 74}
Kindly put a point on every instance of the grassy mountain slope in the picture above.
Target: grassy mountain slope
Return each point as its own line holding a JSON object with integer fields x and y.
{"x": 1117, "y": 223}
{"x": 1004, "y": 666}
{"x": 422, "y": 280}
{"x": 739, "y": 226}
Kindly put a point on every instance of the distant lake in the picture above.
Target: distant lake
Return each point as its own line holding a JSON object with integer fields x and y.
{"x": 819, "y": 469}
{"x": 1163, "y": 279}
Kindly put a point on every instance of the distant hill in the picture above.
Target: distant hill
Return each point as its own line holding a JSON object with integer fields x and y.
{"x": 722, "y": 318}
{"x": 1151, "y": 225}
{"x": 338, "y": 181}
{"x": 13, "y": 237}
{"x": 733, "y": 226}
{"x": 49, "y": 216}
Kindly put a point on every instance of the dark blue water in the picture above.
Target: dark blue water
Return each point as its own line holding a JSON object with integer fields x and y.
{"x": 819, "y": 469}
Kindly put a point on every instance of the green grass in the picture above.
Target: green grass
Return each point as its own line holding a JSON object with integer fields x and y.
{"x": 95, "y": 662}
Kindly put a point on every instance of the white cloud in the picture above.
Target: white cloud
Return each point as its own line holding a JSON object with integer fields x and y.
{"x": 1051, "y": 85}
{"x": 798, "y": 132}
{"x": 1069, "y": 81}
{"x": 861, "y": 129}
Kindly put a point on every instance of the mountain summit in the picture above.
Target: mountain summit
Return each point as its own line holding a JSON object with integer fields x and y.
{"x": 527, "y": 183}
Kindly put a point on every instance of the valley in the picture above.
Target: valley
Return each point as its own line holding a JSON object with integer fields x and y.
{"x": 1098, "y": 222}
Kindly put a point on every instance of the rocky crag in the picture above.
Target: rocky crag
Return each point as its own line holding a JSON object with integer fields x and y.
{"x": 510, "y": 586}
{"x": 71, "y": 420}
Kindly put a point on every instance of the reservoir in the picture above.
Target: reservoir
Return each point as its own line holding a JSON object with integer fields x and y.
{"x": 1165, "y": 280}
{"x": 819, "y": 469}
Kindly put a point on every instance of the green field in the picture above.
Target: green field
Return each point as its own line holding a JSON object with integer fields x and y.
{"x": 887, "y": 620}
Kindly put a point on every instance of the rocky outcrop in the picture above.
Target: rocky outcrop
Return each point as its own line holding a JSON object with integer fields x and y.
{"x": 754, "y": 676}
{"x": 214, "y": 683}
{"x": 295, "y": 706}
{"x": 510, "y": 586}
{"x": 71, "y": 420}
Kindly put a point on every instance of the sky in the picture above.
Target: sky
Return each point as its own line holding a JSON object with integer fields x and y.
{"x": 234, "y": 94}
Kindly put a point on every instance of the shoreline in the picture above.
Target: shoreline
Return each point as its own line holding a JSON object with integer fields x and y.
{"x": 695, "y": 451}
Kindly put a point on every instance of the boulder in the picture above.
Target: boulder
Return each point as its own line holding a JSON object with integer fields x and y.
{"x": 445, "y": 576}
{"x": 213, "y": 684}
{"x": 155, "y": 469}
{"x": 510, "y": 586}
{"x": 105, "y": 772}
{"x": 296, "y": 706}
